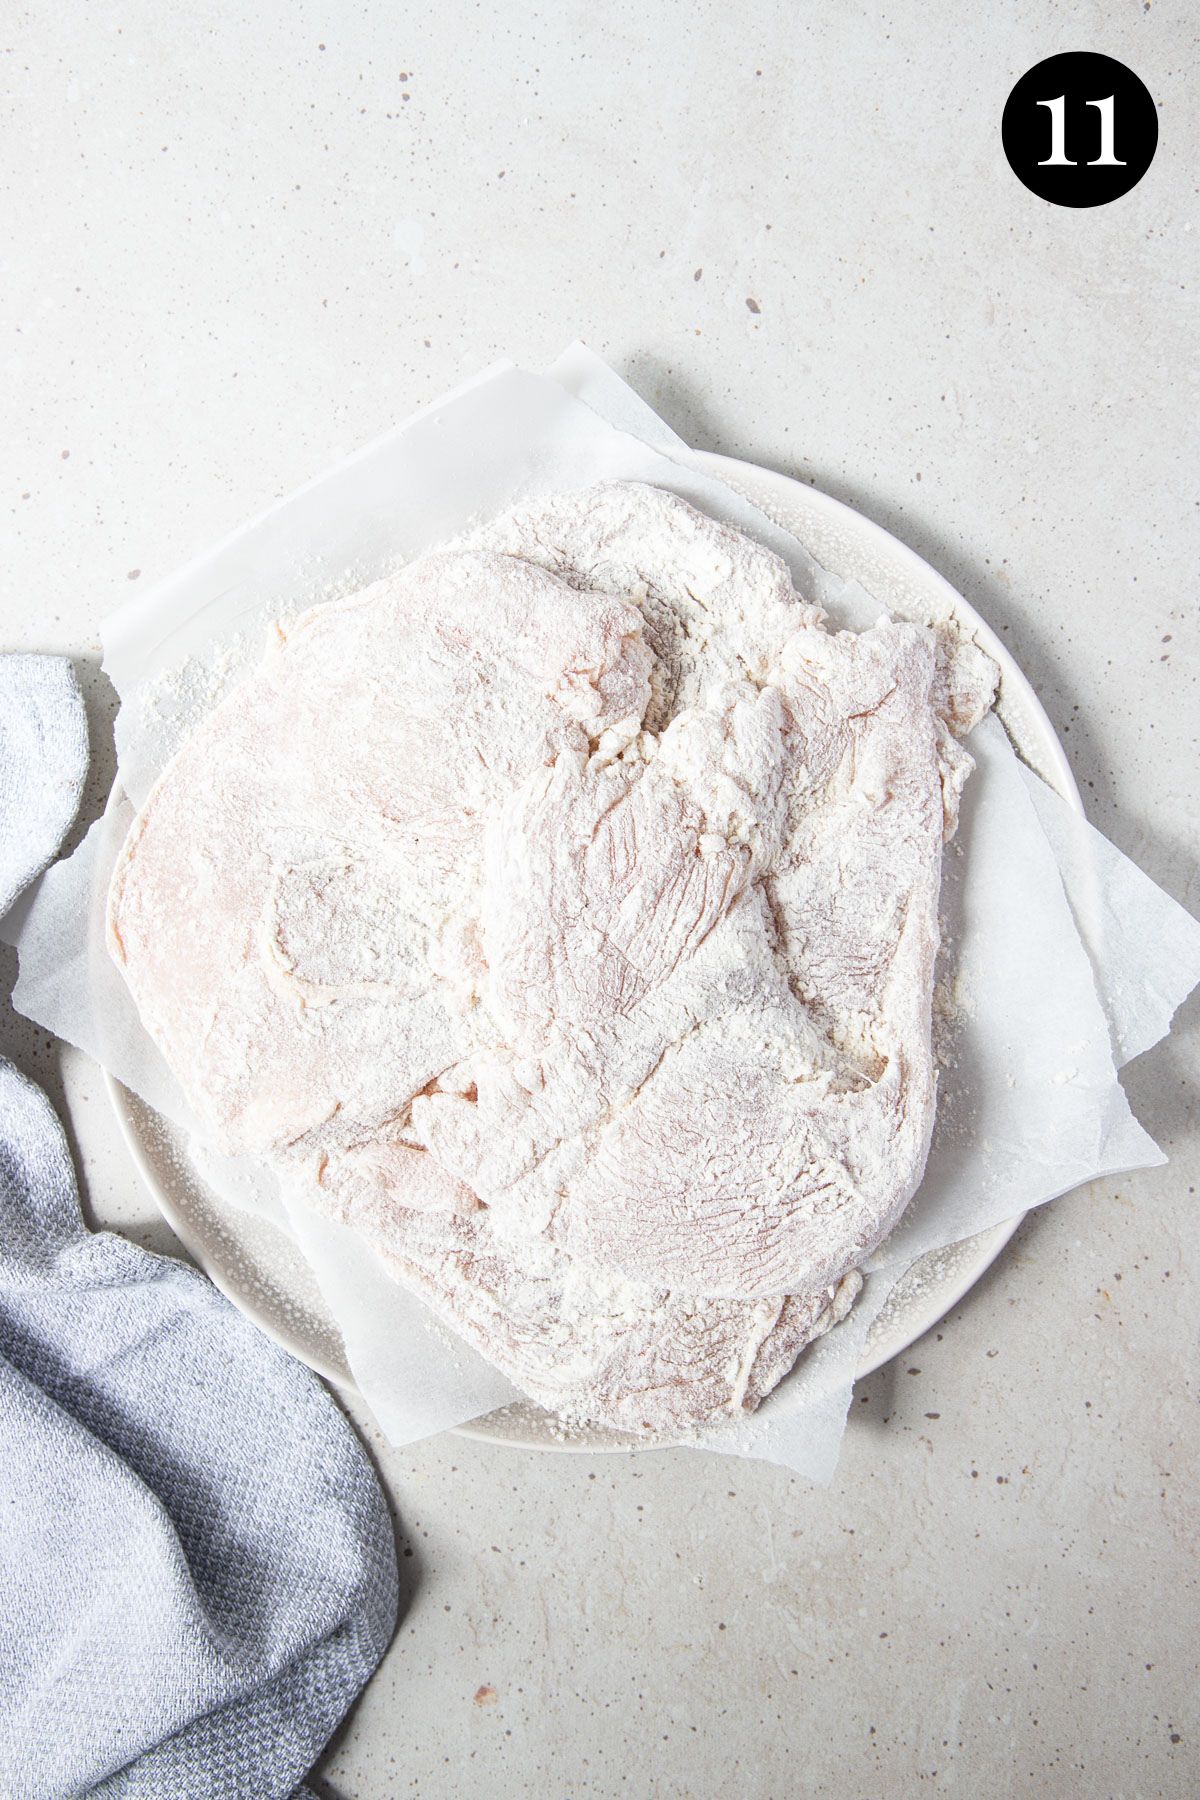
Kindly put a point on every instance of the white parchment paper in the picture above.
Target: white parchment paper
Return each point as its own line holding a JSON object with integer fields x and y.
{"x": 1069, "y": 960}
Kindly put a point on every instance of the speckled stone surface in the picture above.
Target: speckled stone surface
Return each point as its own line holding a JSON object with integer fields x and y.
{"x": 238, "y": 245}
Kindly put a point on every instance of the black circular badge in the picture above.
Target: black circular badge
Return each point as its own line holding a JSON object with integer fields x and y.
{"x": 1079, "y": 129}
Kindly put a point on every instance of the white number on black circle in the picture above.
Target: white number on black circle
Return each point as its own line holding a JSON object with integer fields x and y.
{"x": 1058, "y": 158}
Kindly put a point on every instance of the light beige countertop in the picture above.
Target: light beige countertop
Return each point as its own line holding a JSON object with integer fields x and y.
{"x": 239, "y": 241}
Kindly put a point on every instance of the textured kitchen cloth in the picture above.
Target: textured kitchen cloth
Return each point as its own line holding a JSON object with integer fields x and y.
{"x": 43, "y": 760}
{"x": 197, "y": 1566}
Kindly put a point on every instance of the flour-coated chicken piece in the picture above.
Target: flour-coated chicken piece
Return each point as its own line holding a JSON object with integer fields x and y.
{"x": 561, "y": 912}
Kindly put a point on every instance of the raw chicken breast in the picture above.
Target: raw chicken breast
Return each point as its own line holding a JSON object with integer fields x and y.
{"x": 561, "y": 912}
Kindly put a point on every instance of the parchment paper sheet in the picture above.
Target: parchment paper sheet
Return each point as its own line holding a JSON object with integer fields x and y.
{"x": 1069, "y": 960}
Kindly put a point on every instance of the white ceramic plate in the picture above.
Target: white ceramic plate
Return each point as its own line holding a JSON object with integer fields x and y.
{"x": 264, "y": 1274}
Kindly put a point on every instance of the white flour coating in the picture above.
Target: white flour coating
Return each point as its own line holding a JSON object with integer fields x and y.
{"x": 562, "y": 912}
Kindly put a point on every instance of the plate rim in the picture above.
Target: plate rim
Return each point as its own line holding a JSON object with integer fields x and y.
{"x": 991, "y": 1243}
{"x": 124, "y": 1103}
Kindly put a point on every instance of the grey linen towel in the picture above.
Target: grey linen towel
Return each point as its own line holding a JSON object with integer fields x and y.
{"x": 197, "y": 1566}
{"x": 43, "y": 761}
